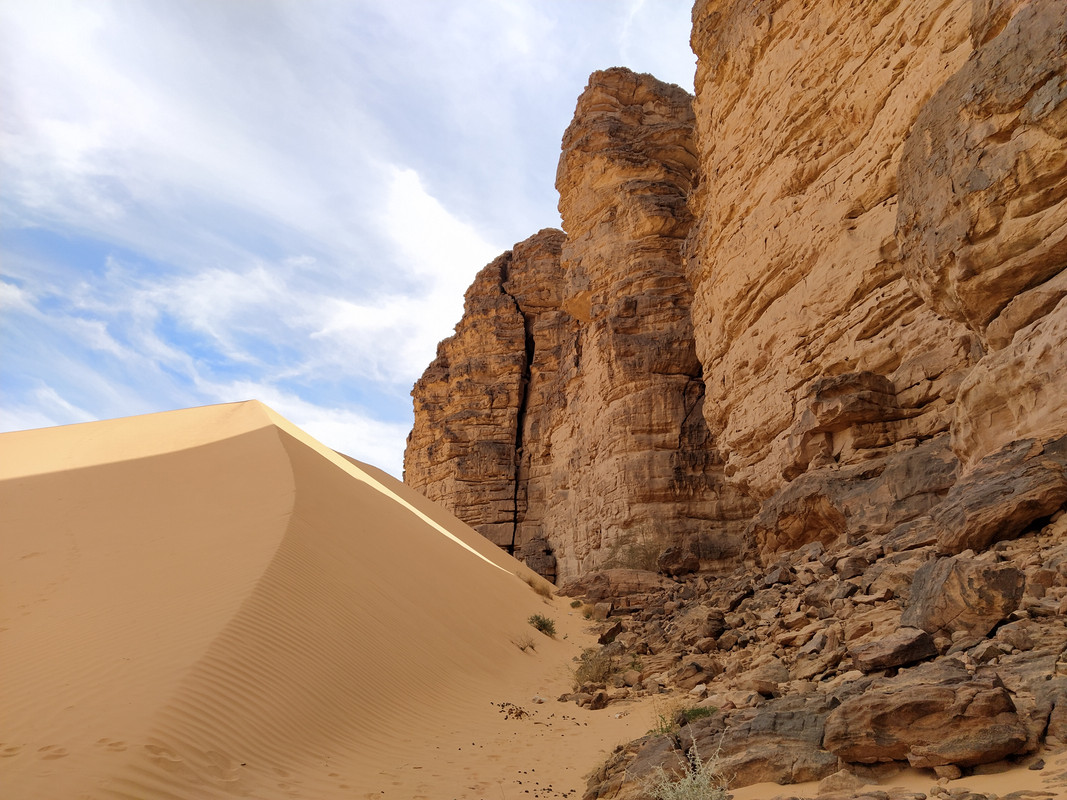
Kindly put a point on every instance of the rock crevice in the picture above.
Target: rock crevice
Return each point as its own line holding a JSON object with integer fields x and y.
{"x": 795, "y": 307}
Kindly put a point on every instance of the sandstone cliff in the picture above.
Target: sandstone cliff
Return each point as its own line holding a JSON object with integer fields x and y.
{"x": 570, "y": 397}
{"x": 824, "y": 299}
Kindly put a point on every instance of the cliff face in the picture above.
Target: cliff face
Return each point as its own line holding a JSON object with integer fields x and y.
{"x": 803, "y": 109}
{"x": 570, "y": 398}
{"x": 811, "y": 302}
{"x": 464, "y": 449}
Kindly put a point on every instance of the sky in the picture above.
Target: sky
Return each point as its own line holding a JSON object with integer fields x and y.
{"x": 209, "y": 201}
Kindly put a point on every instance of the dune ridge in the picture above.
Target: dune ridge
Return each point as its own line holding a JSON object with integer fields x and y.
{"x": 210, "y": 603}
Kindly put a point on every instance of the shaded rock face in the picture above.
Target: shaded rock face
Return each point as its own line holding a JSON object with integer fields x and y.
{"x": 934, "y": 716}
{"x": 567, "y": 408}
{"x": 822, "y": 301}
{"x": 463, "y": 450}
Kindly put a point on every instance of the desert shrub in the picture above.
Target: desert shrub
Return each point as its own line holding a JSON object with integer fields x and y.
{"x": 594, "y": 666}
{"x": 525, "y": 642}
{"x": 701, "y": 780}
{"x": 543, "y": 624}
{"x": 664, "y": 725}
{"x": 687, "y": 715}
{"x": 672, "y": 716}
{"x": 575, "y": 603}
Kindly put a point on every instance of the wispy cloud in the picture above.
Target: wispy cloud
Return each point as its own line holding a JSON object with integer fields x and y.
{"x": 281, "y": 197}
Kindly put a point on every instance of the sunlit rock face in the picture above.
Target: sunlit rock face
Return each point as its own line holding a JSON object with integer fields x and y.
{"x": 568, "y": 406}
{"x": 797, "y": 307}
{"x": 802, "y": 110}
{"x": 463, "y": 449}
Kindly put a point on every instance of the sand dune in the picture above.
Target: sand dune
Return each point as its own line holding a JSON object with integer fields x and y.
{"x": 209, "y": 603}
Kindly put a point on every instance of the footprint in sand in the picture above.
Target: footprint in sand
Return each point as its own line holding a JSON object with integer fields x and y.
{"x": 9, "y": 750}
{"x": 111, "y": 745}
{"x": 222, "y": 766}
{"x": 50, "y": 752}
{"x": 163, "y": 756}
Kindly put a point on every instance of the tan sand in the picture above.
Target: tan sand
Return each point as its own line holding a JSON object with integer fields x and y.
{"x": 209, "y": 603}
{"x": 1051, "y": 780}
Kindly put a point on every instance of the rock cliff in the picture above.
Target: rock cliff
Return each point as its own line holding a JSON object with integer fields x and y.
{"x": 822, "y": 300}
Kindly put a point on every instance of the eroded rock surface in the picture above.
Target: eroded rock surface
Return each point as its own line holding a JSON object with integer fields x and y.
{"x": 568, "y": 406}
{"x": 463, "y": 450}
{"x": 799, "y": 363}
{"x": 962, "y": 595}
{"x": 801, "y": 112}
{"x": 930, "y": 716}
{"x": 833, "y": 281}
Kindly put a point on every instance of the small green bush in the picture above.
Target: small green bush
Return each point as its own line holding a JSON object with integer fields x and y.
{"x": 700, "y": 781}
{"x": 664, "y": 725}
{"x": 671, "y": 718}
{"x": 543, "y": 624}
{"x": 697, "y": 712}
{"x": 575, "y": 603}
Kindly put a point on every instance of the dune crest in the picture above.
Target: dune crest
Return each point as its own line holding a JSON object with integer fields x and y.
{"x": 210, "y": 603}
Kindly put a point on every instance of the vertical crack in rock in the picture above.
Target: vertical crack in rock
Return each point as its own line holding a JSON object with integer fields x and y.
{"x": 478, "y": 399}
{"x": 529, "y": 348}
{"x": 816, "y": 283}
{"x": 691, "y": 405}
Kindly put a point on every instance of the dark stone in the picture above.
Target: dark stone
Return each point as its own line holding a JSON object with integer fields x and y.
{"x": 904, "y": 646}
{"x": 962, "y": 594}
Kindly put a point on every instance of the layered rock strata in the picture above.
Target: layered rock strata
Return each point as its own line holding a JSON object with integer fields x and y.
{"x": 802, "y": 109}
{"x": 823, "y": 300}
{"x": 567, "y": 408}
{"x": 471, "y": 403}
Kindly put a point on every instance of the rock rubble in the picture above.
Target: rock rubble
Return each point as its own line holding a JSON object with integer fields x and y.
{"x": 808, "y": 670}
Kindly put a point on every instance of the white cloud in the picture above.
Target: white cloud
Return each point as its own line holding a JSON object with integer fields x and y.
{"x": 206, "y": 198}
{"x": 43, "y": 408}
{"x": 13, "y": 299}
{"x": 347, "y": 430}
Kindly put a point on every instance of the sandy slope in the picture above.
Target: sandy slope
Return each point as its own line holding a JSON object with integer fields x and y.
{"x": 209, "y": 603}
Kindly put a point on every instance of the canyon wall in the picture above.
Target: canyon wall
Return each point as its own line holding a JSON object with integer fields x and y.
{"x": 570, "y": 397}
{"x": 809, "y": 302}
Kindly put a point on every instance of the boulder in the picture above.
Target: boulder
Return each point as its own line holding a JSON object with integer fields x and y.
{"x": 904, "y": 646}
{"x": 1002, "y": 495}
{"x": 801, "y": 514}
{"x": 612, "y": 584}
{"x": 678, "y": 560}
{"x": 962, "y": 594}
{"x": 933, "y": 715}
{"x": 842, "y": 413}
{"x": 778, "y": 742}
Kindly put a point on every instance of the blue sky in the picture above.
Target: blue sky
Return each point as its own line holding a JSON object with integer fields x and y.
{"x": 208, "y": 201}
